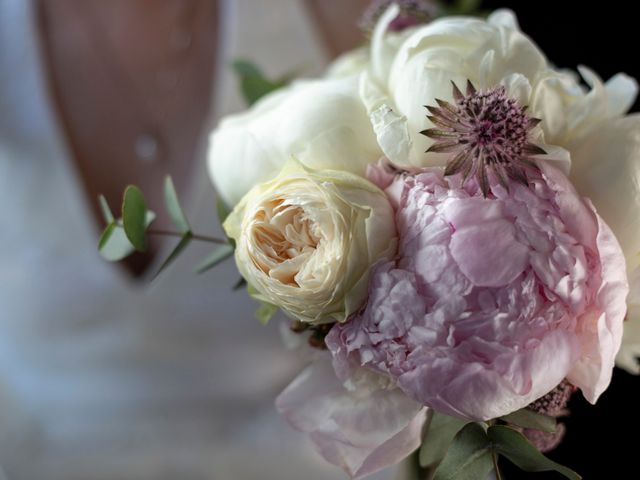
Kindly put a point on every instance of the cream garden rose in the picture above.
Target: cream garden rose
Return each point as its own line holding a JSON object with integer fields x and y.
{"x": 305, "y": 241}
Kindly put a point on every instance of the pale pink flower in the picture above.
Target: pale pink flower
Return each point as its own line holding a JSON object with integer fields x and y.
{"x": 492, "y": 302}
{"x": 363, "y": 424}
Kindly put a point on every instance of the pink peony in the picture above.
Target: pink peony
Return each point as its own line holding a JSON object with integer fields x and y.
{"x": 491, "y": 302}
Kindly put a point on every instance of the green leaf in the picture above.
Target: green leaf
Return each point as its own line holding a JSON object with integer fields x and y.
{"x": 526, "y": 418}
{"x": 172, "y": 203}
{"x": 253, "y": 84}
{"x": 106, "y": 235}
{"x": 513, "y": 445}
{"x": 219, "y": 255}
{"x": 469, "y": 457}
{"x": 465, "y": 7}
{"x": 222, "y": 209}
{"x": 442, "y": 430}
{"x": 265, "y": 312}
{"x": 106, "y": 211}
{"x": 114, "y": 244}
{"x": 182, "y": 244}
{"x": 134, "y": 210}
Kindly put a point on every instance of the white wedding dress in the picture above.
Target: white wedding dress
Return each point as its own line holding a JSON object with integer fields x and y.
{"x": 101, "y": 378}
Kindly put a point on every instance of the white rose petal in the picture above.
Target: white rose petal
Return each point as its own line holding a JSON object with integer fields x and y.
{"x": 321, "y": 122}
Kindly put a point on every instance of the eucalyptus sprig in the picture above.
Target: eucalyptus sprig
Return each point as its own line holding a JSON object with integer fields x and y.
{"x": 127, "y": 234}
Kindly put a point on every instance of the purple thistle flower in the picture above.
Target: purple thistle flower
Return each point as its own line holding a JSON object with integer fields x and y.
{"x": 488, "y": 132}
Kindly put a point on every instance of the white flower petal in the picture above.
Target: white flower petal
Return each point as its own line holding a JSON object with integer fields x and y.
{"x": 381, "y": 51}
{"x": 504, "y": 18}
{"x": 629, "y": 355}
{"x": 606, "y": 169}
{"x": 322, "y": 123}
{"x": 622, "y": 91}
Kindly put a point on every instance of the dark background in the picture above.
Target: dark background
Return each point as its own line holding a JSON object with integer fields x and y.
{"x": 601, "y": 440}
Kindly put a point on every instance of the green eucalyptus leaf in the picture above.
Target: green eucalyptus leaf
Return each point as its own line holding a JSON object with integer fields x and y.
{"x": 219, "y": 255}
{"x": 265, "y": 312}
{"x": 172, "y": 203}
{"x": 515, "y": 446}
{"x": 134, "y": 212}
{"x": 527, "y": 418}
{"x": 114, "y": 244}
{"x": 442, "y": 430}
{"x": 245, "y": 68}
{"x": 106, "y": 235}
{"x": 469, "y": 457}
{"x": 253, "y": 84}
{"x": 106, "y": 211}
{"x": 182, "y": 244}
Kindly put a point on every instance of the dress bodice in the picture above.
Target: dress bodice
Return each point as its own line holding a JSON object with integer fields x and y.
{"x": 103, "y": 378}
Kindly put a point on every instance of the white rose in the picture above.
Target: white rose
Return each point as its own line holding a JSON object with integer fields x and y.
{"x": 321, "y": 122}
{"x": 305, "y": 241}
{"x": 401, "y": 81}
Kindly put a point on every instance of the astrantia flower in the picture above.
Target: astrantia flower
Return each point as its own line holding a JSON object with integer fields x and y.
{"x": 492, "y": 302}
{"x": 492, "y": 53}
{"x": 488, "y": 134}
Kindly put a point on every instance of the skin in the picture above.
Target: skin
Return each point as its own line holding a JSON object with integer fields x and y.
{"x": 124, "y": 72}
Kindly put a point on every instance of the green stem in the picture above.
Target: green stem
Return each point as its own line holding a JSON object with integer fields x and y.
{"x": 494, "y": 457}
{"x": 170, "y": 233}
{"x": 202, "y": 238}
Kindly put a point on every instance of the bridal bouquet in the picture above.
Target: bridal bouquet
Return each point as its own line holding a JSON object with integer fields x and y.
{"x": 452, "y": 223}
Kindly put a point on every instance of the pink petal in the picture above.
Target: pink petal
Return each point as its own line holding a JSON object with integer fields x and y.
{"x": 363, "y": 429}
{"x": 602, "y": 332}
{"x": 488, "y": 253}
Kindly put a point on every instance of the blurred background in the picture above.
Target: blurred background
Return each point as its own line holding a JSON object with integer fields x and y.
{"x": 105, "y": 376}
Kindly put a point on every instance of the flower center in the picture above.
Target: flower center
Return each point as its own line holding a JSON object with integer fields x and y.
{"x": 496, "y": 123}
{"x": 488, "y": 132}
{"x": 283, "y": 238}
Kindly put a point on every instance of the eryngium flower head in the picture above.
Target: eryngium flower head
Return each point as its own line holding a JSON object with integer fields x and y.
{"x": 488, "y": 132}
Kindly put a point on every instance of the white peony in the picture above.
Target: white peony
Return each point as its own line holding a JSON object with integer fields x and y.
{"x": 321, "y": 122}
{"x": 401, "y": 81}
{"x": 305, "y": 241}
